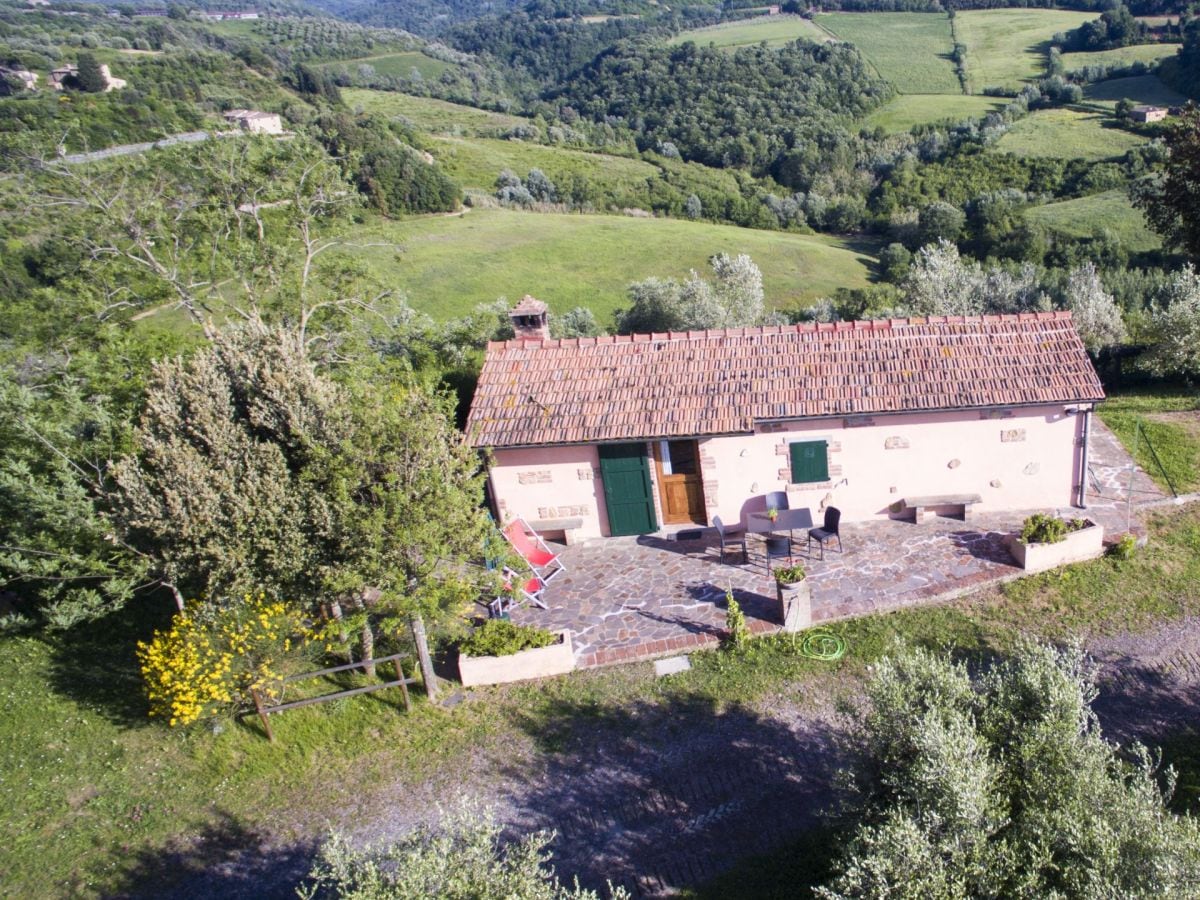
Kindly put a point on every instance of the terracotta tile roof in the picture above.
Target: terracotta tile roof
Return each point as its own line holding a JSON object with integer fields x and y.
{"x": 685, "y": 384}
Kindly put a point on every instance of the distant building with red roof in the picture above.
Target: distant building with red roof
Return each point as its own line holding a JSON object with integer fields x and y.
{"x": 626, "y": 434}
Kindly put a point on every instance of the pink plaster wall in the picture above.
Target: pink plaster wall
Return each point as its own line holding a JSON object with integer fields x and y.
{"x": 866, "y": 477}
{"x": 560, "y": 482}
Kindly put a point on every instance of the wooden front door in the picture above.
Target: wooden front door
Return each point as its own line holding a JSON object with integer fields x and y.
{"x": 627, "y": 494}
{"x": 679, "y": 482}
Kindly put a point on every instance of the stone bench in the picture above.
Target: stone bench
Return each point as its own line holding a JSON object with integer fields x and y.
{"x": 569, "y": 528}
{"x": 919, "y": 506}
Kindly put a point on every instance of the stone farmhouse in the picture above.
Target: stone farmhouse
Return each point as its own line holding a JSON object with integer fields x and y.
{"x": 255, "y": 121}
{"x": 625, "y": 435}
{"x": 27, "y": 79}
{"x": 1147, "y": 114}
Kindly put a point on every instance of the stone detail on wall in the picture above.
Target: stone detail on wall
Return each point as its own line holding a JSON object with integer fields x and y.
{"x": 835, "y": 447}
{"x": 1012, "y": 435}
{"x": 954, "y": 464}
{"x": 540, "y": 476}
{"x": 588, "y": 474}
{"x": 835, "y": 471}
{"x": 708, "y": 467}
{"x": 858, "y": 421}
{"x": 1032, "y": 469}
{"x": 995, "y": 482}
{"x": 895, "y": 443}
{"x": 781, "y": 449}
{"x": 892, "y": 489}
{"x": 564, "y": 512}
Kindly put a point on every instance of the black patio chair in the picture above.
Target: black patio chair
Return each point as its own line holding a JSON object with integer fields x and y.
{"x": 731, "y": 535}
{"x": 827, "y": 532}
{"x": 777, "y": 548}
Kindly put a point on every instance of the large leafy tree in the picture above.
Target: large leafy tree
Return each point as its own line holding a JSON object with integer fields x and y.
{"x": 1170, "y": 200}
{"x": 1005, "y": 788}
{"x": 734, "y": 298}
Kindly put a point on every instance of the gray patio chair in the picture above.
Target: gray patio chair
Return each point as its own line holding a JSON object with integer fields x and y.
{"x": 777, "y": 548}
{"x": 827, "y": 532}
{"x": 779, "y": 500}
{"x": 731, "y": 535}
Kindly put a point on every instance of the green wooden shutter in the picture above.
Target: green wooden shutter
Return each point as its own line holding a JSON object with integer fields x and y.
{"x": 809, "y": 461}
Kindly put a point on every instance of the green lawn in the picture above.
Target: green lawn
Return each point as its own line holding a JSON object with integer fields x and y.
{"x": 1147, "y": 53}
{"x": 775, "y": 30}
{"x": 1006, "y": 47}
{"x": 1169, "y": 423}
{"x": 1142, "y": 89}
{"x": 432, "y": 115}
{"x": 911, "y": 50}
{"x": 447, "y": 264}
{"x": 908, "y": 110}
{"x": 1086, "y": 216}
{"x": 1067, "y": 134}
{"x": 396, "y": 64}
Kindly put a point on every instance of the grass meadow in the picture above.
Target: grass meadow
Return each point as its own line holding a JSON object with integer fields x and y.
{"x": 1147, "y": 53}
{"x": 911, "y": 50}
{"x": 1140, "y": 89}
{"x": 447, "y": 264}
{"x": 1170, "y": 423}
{"x": 428, "y": 114}
{"x": 98, "y": 801}
{"x": 908, "y": 110}
{"x": 1067, "y": 134}
{"x": 397, "y": 64}
{"x": 1085, "y": 216}
{"x": 775, "y": 30}
{"x": 1007, "y": 47}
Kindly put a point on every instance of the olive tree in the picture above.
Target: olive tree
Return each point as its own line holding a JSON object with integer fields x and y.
{"x": 1175, "y": 326}
{"x": 733, "y": 299}
{"x": 1094, "y": 311}
{"x": 1005, "y": 787}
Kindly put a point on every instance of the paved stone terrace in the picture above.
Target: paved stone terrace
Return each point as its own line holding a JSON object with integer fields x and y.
{"x": 637, "y": 597}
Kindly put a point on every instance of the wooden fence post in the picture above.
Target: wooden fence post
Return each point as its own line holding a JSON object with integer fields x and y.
{"x": 403, "y": 686}
{"x": 262, "y": 714}
{"x": 422, "y": 642}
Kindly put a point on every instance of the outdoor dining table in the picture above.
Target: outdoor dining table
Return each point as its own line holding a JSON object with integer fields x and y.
{"x": 786, "y": 520}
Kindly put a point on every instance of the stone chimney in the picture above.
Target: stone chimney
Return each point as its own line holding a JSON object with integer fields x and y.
{"x": 530, "y": 319}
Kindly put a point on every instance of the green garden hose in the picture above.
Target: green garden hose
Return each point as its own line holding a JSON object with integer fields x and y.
{"x": 823, "y": 645}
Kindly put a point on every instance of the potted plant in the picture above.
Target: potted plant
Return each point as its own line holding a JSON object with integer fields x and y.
{"x": 500, "y": 651}
{"x": 1047, "y": 542}
{"x": 795, "y": 597}
{"x": 772, "y": 513}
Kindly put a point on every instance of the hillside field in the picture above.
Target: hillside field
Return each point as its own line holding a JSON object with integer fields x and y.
{"x": 775, "y": 30}
{"x": 1122, "y": 56}
{"x": 1006, "y": 47}
{"x": 448, "y": 264}
{"x": 908, "y": 110}
{"x": 1084, "y": 217}
{"x": 432, "y": 115}
{"x": 396, "y": 64}
{"x": 911, "y": 50}
{"x": 1141, "y": 89}
{"x": 1067, "y": 134}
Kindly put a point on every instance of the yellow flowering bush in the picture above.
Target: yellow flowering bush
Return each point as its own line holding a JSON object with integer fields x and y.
{"x": 212, "y": 655}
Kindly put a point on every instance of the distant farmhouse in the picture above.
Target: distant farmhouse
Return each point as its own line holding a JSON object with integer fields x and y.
{"x": 255, "y": 121}
{"x": 1147, "y": 114}
{"x": 60, "y": 78}
{"x": 28, "y": 79}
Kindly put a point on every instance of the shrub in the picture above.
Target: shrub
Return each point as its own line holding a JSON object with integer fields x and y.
{"x": 738, "y": 635}
{"x": 1124, "y": 548}
{"x": 790, "y": 574}
{"x": 213, "y": 655}
{"x": 1043, "y": 529}
{"x": 499, "y": 637}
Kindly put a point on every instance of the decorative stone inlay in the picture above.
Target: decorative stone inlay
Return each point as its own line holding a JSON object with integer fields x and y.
{"x": 995, "y": 482}
{"x": 1033, "y": 468}
{"x": 1012, "y": 435}
{"x": 540, "y": 476}
{"x": 954, "y": 464}
{"x": 896, "y": 443}
{"x": 563, "y": 512}
{"x": 835, "y": 471}
{"x": 781, "y": 449}
{"x": 858, "y": 421}
{"x": 892, "y": 489}
{"x": 587, "y": 474}
{"x": 835, "y": 447}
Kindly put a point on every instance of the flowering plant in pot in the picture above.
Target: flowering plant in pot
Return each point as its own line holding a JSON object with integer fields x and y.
{"x": 772, "y": 513}
{"x": 790, "y": 575}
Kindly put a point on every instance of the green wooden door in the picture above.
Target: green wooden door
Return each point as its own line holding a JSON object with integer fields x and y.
{"x": 625, "y": 471}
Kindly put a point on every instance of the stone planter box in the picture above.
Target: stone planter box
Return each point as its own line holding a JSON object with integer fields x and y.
{"x": 1086, "y": 543}
{"x": 795, "y": 605}
{"x": 539, "y": 662}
